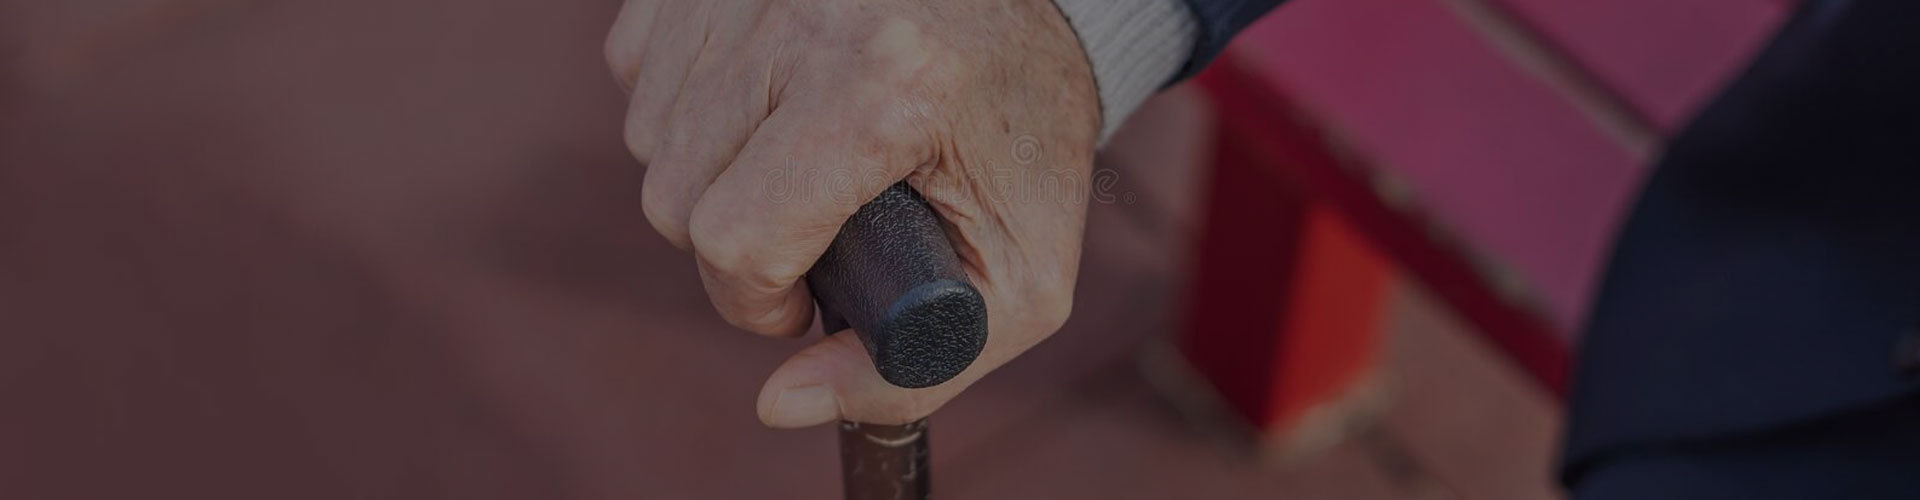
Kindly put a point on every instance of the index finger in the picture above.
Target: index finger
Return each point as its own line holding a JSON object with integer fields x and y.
{"x": 766, "y": 219}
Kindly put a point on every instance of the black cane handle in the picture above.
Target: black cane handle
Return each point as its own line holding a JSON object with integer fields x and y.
{"x": 893, "y": 277}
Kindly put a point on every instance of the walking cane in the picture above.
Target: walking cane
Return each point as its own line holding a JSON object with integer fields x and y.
{"x": 893, "y": 277}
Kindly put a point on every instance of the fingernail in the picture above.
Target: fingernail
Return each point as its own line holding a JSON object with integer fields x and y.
{"x": 803, "y": 406}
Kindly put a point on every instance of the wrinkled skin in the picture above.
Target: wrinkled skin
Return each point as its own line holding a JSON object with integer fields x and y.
{"x": 764, "y": 124}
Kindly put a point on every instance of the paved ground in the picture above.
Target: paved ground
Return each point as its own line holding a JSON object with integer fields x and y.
{"x": 360, "y": 249}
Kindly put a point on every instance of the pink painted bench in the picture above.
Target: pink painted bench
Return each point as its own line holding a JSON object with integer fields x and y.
{"x": 1486, "y": 148}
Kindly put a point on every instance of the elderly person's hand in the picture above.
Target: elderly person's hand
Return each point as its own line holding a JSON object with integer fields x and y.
{"x": 764, "y": 124}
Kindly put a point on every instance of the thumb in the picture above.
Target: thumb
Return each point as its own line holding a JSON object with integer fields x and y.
{"x": 834, "y": 379}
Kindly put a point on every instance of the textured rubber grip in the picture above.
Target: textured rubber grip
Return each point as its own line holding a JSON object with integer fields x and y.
{"x": 893, "y": 277}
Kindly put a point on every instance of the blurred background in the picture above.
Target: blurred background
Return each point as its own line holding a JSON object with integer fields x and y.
{"x": 359, "y": 249}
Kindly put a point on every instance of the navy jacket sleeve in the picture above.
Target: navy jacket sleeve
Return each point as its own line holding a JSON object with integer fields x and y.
{"x": 1219, "y": 21}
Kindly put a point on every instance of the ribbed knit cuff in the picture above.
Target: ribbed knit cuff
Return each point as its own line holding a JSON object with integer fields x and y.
{"x": 1135, "y": 46}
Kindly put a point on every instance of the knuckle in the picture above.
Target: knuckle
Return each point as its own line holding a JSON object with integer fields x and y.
{"x": 640, "y": 138}
{"x": 725, "y": 250}
{"x": 895, "y": 136}
{"x": 666, "y": 209}
{"x": 624, "y": 66}
{"x": 899, "y": 47}
{"x": 712, "y": 241}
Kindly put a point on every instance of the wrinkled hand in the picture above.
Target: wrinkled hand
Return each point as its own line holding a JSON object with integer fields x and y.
{"x": 765, "y": 124}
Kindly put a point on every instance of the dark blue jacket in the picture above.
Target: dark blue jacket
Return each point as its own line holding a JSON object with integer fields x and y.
{"x": 1219, "y": 21}
{"x": 1770, "y": 273}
